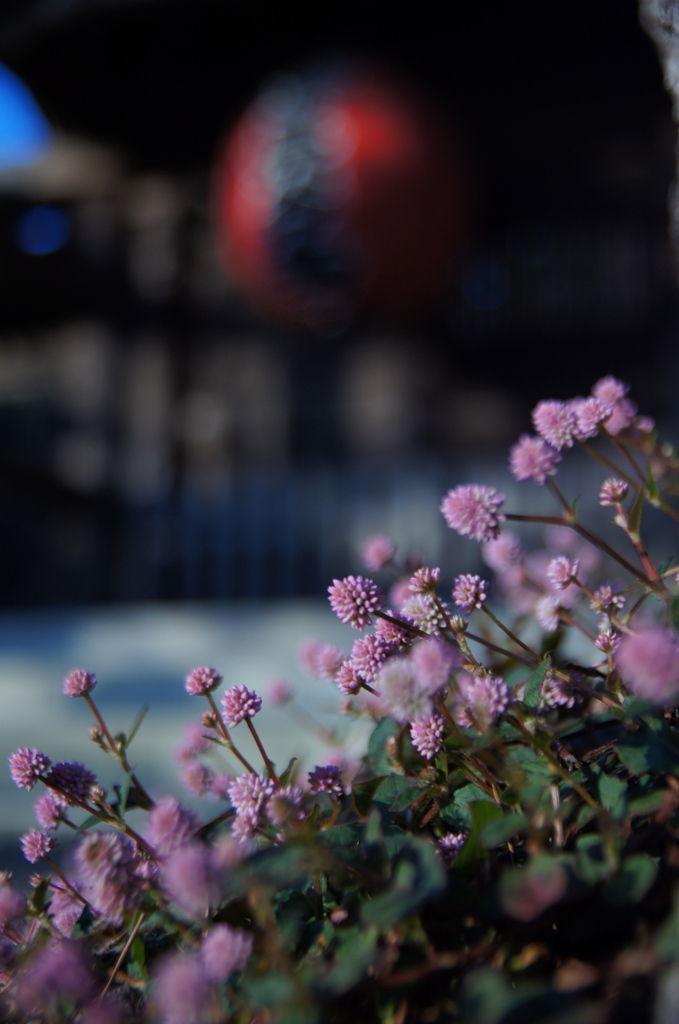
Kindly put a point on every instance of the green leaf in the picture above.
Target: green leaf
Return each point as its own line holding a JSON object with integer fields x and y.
{"x": 533, "y": 690}
{"x": 651, "y": 748}
{"x": 591, "y": 861}
{"x": 634, "y": 517}
{"x": 355, "y": 952}
{"x": 498, "y": 832}
{"x": 87, "y": 823}
{"x": 612, "y": 793}
{"x": 123, "y": 792}
{"x": 135, "y": 727}
{"x": 483, "y": 813}
{"x": 653, "y": 492}
{"x": 285, "y": 775}
{"x": 138, "y": 957}
{"x": 37, "y": 900}
{"x": 635, "y": 877}
{"x": 363, "y": 793}
{"x": 418, "y": 876}
{"x": 377, "y": 761}
{"x": 674, "y": 612}
{"x": 457, "y": 813}
{"x": 398, "y": 792}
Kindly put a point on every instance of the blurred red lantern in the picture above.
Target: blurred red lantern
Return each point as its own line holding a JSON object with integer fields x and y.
{"x": 340, "y": 191}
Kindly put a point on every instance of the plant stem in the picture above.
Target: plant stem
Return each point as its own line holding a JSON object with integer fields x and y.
{"x": 118, "y": 754}
{"x": 227, "y": 738}
{"x": 260, "y": 747}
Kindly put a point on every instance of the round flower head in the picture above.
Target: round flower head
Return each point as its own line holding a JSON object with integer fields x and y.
{"x": 377, "y": 551}
{"x": 561, "y": 572}
{"x": 285, "y": 805}
{"x": 73, "y": 780}
{"x": 607, "y": 601}
{"x": 449, "y": 846}
{"x": 424, "y": 581}
{"x": 425, "y": 612}
{"x": 36, "y": 845}
{"x": 190, "y": 878}
{"x": 79, "y": 682}
{"x": 473, "y": 510}
{"x": 48, "y": 808}
{"x": 326, "y": 778}
{"x": 479, "y": 700}
{"x": 224, "y": 950}
{"x": 279, "y": 693}
{"x": 368, "y": 654}
{"x": 608, "y": 640}
{"x": 393, "y": 633}
{"x": 248, "y": 795}
{"x": 354, "y": 599}
{"x": 320, "y": 661}
{"x": 54, "y": 972}
{"x": 169, "y": 825}
{"x": 547, "y": 613}
{"x": 560, "y": 693}
{"x": 405, "y": 696}
{"x": 427, "y": 735}
{"x": 107, "y": 864}
{"x": 610, "y": 390}
{"x": 181, "y": 989}
{"x": 531, "y": 458}
{"x": 432, "y": 662}
{"x": 349, "y": 680}
{"x": 239, "y": 703}
{"x": 589, "y": 414}
{"x": 202, "y": 680}
{"x": 613, "y": 491}
{"x": 648, "y": 662}
{"x": 470, "y": 592}
{"x": 555, "y": 422}
{"x": 27, "y": 765}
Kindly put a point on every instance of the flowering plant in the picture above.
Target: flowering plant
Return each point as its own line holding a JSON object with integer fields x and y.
{"x": 506, "y": 850}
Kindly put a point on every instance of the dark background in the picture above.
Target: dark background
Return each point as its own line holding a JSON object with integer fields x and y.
{"x": 158, "y": 439}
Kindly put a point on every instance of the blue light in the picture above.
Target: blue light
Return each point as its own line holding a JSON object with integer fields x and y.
{"x": 41, "y": 230}
{"x": 24, "y": 132}
{"x": 486, "y": 284}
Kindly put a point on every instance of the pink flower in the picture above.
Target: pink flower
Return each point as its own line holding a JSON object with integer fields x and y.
{"x": 648, "y": 662}
{"x": 248, "y": 795}
{"x": 377, "y": 551}
{"x": 432, "y": 662}
{"x": 405, "y": 695}
{"x": 107, "y": 863}
{"x": 424, "y": 611}
{"x": 286, "y": 804}
{"x": 610, "y": 390}
{"x": 195, "y": 742}
{"x": 320, "y": 661}
{"x": 505, "y": 556}
{"x": 607, "y": 601}
{"x": 427, "y": 735}
{"x": 79, "y": 682}
{"x": 531, "y": 458}
{"x": 27, "y": 765}
{"x": 424, "y": 581}
{"x": 622, "y": 411}
{"x": 555, "y": 422}
{"x": 224, "y": 950}
{"x": 470, "y": 592}
{"x": 479, "y": 700}
{"x": 239, "y": 703}
{"x": 561, "y": 572}
{"x": 190, "y": 878}
{"x": 48, "y": 808}
{"x": 473, "y": 510}
{"x": 279, "y": 693}
{"x": 368, "y": 654}
{"x": 202, "y": 680}
{"x": 182, "y": 989}
{"x": 12, "y": 904}
{"x": 36, "y": 845}
{"x": 398, "y": 594}
{"x": 547, "y": 613}
{"x": 560, "y": 693}
{"x": 58, "y": 971}
{"x": 608, "y": 641}
{"x": 354, "y": 599}
{"x": 169, "y": 825}
{"x": 393, "y": 633}
{"x": 449, "y": 846}
{"x": 65, "y": 908}
{"x": 326, "y": 778}
{"x": 589, "y": 413}
{"x": 349, "y": 680}
{"x": 613, "y": 491}
{"x": 73, "y": 780}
